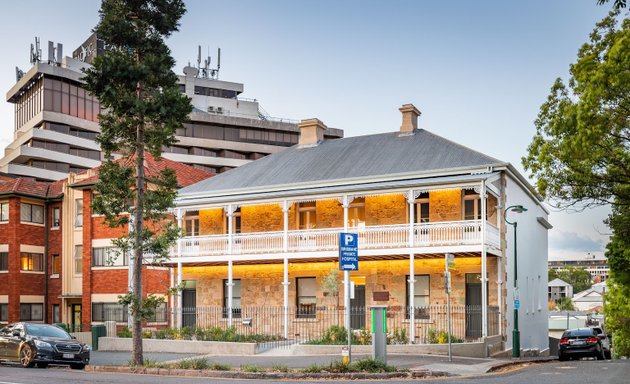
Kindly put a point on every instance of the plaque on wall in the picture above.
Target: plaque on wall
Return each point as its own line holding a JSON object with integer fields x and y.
{"x": 380, "y": 296}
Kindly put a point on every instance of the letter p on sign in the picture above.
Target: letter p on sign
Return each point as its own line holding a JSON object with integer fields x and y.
{"x": 347, "y": 239}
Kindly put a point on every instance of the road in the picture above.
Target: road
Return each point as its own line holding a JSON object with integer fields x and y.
{"x": 609, "y": 372}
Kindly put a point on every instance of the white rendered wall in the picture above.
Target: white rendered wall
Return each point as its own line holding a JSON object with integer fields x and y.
{"x": 532, "y": 270}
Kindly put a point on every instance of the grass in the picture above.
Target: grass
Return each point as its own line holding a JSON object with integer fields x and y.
{"x": 364, "y": 365}
{"x": 250, "y": 368}
{"x": 280, "y": 368}
{"x": 193, "y": 363}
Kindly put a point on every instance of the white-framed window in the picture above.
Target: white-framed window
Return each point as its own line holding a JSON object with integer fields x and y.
{"x": 109, "y": 312}
{"x": 56, "y": 315}
{"x": 236, "y": 298}
{"x": 236, "y": 221}
{"x": 78, "y": 260}
{"x": 108, "y": 257}
{"x": 78, "y": 216}
{"x": 421, "y": 215}
{"x": 4, "y": 261}
{"x": 421, "y": 296}
{"x": 306, "y": 215}
{"x": 356, "y": 213}
{"x": 4, "y": 211}
{"x": 55, "y": 217}
{"x": 31, "y": 312}
{"x": 4, "y": 312}
{"x": 56, "y": 264}
{"x": 191, "y": 223}
{"x": 472, "y": 205}
{"x": 306, "y": 297}
{"x": 32, "y": 213}
{"x": 32, "y": 261}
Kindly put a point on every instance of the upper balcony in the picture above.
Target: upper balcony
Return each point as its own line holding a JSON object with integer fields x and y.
{"x": 433, "y": 222}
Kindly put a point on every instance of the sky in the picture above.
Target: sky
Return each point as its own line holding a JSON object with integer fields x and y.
{"x": 477, "y": 70}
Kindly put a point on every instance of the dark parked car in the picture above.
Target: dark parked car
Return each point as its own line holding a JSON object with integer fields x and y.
{"x": 580, "y": 342}
{"x": 41, "y": 344}
{"x": 604, "y": 340}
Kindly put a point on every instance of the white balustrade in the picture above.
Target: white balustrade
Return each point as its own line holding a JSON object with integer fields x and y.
{"x": 493, "y": 237}
{"x": 467, "y": 232}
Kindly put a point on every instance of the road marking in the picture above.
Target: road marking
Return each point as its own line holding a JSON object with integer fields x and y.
{"x": 565, "y": 367}
{"x": 8, "y": 382}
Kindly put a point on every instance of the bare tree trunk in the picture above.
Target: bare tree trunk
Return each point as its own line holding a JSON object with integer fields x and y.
{"x": 137, "y": 355}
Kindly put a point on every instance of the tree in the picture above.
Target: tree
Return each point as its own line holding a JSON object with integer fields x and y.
{"x": 578, "y": 277}
{"x": 565, "y": 304}
{"x": 617, "y": 4}
{"x": 580, "y": 154}
{"x": 552, "y": 274}
{"x": 143, "y": 107}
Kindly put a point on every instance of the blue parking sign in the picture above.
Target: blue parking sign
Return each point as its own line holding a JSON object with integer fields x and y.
{"x": 348, "y": 252}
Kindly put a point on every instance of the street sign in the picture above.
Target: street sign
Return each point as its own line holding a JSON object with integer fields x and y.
{"x": 348, "y": 252}
{"x": 517, "y": 304}
{"x": 449, "y": 258}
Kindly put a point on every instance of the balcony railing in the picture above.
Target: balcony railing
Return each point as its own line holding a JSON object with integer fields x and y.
{"x": 450, "y": 233}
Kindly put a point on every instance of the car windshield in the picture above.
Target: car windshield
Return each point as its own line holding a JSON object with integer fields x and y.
{"x": 46, "y": 331}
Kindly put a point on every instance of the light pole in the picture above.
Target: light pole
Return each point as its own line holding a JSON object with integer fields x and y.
{"x": 516, "y": 335}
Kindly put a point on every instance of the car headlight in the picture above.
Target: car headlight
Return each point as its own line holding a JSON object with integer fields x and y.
{"x": 87, "y": 348}
{"x": 42, "y": 345}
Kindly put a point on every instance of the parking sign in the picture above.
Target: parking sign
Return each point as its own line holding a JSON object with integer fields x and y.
{"x": 348, "y": 252}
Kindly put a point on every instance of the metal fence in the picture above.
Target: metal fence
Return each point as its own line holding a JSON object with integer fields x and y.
{"x": 322, "y": 324}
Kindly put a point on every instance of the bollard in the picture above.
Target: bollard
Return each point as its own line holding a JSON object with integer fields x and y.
{"x": 379, "y": 333}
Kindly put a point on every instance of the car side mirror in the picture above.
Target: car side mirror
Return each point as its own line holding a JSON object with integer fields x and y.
{"x": 16, "y": 333}
{"x": 73, "y": 337}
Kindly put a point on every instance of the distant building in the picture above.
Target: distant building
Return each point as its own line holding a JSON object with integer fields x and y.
{"x": 590, "y": 300}
{"x": 559, "y": 289}
{"x": 56, "y": 120}
{"x": 596, "y": 265}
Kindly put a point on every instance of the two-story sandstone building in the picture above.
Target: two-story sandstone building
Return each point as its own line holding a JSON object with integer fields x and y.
{"x": 266, "y": 234}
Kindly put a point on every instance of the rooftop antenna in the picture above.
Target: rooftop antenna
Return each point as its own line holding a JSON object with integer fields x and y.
{"x": 199, "y": 57}
{"x": 36, "y": 52}
{"x": 214, "y": 73}
{"x": 18, "y": 74}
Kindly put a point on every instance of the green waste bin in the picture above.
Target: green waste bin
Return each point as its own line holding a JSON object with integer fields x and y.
{"x": 97, "y": 331}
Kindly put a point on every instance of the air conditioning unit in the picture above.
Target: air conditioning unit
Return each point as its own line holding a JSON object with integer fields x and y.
{"x": 211, "y": 109}
{"x": 219, "y": 110}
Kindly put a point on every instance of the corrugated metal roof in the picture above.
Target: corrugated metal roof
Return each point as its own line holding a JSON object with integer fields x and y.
{"x": 353, "y": 157}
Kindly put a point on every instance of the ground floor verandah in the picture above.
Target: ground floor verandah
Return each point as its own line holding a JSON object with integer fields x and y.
{"x": 305, "y": 296}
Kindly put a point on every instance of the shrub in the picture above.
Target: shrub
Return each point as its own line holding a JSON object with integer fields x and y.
{"x": 250, "y": 368}
{"x": 280, "y": 368}
{"x": 441, "y": 337}
{"x": 220, "y": 367}
{"x": 198, "y": 364}
{"x": 124, "y": 332}
{"x": 338, "y": 335}
{"x": 398, "y": 337}
{"x": 371, "y": 365}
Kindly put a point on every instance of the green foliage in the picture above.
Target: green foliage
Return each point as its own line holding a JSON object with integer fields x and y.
{"x": 363, "y": 365}
{"x": 398, "y": 337}
{"x": 137, "y": 89}
{"x": 211, "y": 334}
{"x": 565, "y": 304}
{"x": 250, "y": 368}
{"x": 441, "y": 337}
{"x": 338, "y": 335}
{"x": 197, "y": 363}
{"x": 551, "y": 274}
{"x": 280, "y": 368}
{"x": 617, "y": 312}
{"x": 125, "y": 332}
{"x": 578, "y": 277}
{"x": 579, "y": 154}
{"x": 617, "y": 4}
{"x": 330, "y": 282}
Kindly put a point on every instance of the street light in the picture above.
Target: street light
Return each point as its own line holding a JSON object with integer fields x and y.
{"x": 516, "y": 336}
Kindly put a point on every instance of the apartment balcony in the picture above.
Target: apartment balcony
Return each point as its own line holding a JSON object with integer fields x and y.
{"x": 451, "y": 236}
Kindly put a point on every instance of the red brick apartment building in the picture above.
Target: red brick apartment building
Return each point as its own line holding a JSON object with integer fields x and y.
{"x": 55, "y": 264}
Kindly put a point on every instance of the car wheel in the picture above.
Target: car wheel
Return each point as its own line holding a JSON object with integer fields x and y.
{"x": 26, "y": 356}
{"x": 77, "y": 366}
{"x": 562, "y": 357}
{"x": 600, "y": 354}
{"x": 608, "y": 355}
{"x": 42, "y": 365}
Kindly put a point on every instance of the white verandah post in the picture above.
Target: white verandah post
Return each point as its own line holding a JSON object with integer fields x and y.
{"x": 484, "y": 269}
{"x": 180, "y": 223}
{"x": 230, "y": 284}
{"x": 285, "y": 282}
{"x": 346, "y": 274}
{"x": 411, "y": 199}
{"x": 179, "y": 295}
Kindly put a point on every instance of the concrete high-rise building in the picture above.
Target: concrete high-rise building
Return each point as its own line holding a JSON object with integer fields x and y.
{"x": 56, "y": 120}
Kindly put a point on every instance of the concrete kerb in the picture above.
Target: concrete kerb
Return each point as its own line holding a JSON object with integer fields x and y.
{"x": 265, "y": 375}
{"x": 516, "y": 361}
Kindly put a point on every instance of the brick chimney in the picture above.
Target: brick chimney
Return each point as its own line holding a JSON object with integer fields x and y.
{"x": 311, "y": 132}
{"x": 410, "y": 116}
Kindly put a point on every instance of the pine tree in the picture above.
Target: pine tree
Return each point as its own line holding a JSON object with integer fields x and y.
{"x": 141, "y": 109}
